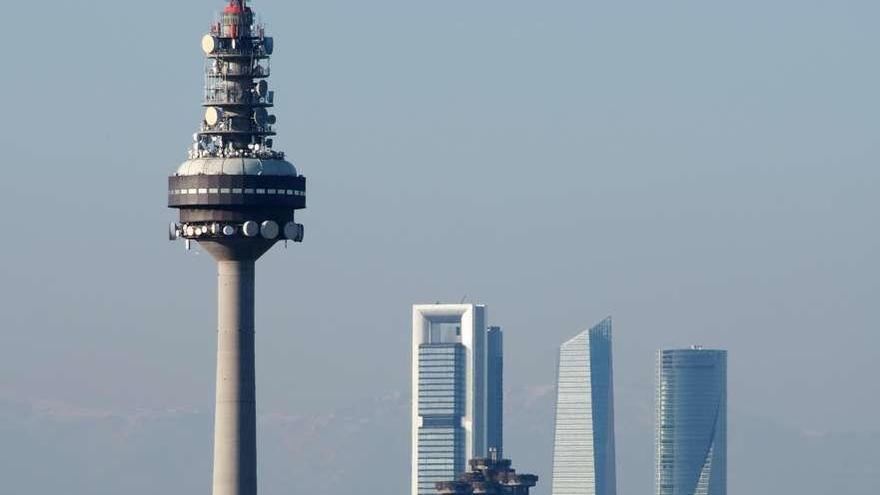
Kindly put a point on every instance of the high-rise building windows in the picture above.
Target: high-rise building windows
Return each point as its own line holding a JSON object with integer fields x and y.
{"x": 456, "y": 391}
{"x": 691, "y": 429}
{"x": 584, "y": 453}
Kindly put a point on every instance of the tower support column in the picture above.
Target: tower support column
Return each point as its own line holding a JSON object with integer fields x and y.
{"x": 235, "y": 439}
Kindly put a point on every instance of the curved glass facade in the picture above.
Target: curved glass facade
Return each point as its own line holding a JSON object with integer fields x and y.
{"x": 583, "y": 453}
{"x": 691, "y": 428}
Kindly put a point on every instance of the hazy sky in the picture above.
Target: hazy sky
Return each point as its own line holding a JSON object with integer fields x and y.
{"x": 705, "y": 172}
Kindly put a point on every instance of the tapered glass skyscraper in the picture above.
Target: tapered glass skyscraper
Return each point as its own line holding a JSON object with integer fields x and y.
{"x": 691, "y": 435}
{"x": 583, "y": 453}
{"x": 456, "y": 391}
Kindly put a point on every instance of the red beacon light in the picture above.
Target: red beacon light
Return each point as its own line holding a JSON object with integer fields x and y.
{"x": 236, "y": 20}
{"x": 236, "y": 7}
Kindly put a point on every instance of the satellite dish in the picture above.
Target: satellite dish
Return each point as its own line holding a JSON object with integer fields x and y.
{"x": 213, "y": 115}
{"x": 294, "y": 231}
{"x": 173, "y": 232}
{"x": 269, "y": 229}
{"x": 269, "y": 44}
{"x": 271, "y": 120}
{"x": 262, "y": 88}
{"x": 228, "y": 230}
{"x": 250, "y": 228}
{"x": 268, "y": 143}
{"x": 261, "y": 116}
{"x": 209, "y": 44}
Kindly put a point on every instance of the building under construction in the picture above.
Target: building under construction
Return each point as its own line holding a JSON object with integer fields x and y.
{"x": 490, "y": 476}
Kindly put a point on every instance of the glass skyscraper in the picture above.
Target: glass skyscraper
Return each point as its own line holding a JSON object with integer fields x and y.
{"x": 691, "y": 429}
{"x": 583, "y": 452}
{"x": 456, "y": 389}
{"x": 494, "y": 390}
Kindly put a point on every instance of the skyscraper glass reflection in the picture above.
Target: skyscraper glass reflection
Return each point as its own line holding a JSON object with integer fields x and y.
{"x": 456, "y": 411}
{"x": 583, "y": 453}
{"x": 691, "y": 429}
{"x": 494, "y": 390}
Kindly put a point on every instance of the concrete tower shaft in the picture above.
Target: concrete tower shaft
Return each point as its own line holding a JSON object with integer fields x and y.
{"x": 236, "y": 197}
{"x": 235, "y": 419}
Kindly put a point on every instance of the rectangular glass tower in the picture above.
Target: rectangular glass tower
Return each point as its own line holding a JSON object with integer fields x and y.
{"x": 583, "y": 453}
{"x": 456, "y": 390}
{"x": 691, "y": 429}
{"x": 495, "y": 391}
{"x": 441, "y": 404}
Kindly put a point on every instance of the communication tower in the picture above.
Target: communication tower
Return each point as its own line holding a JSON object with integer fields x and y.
{"x": 236, "y": 196}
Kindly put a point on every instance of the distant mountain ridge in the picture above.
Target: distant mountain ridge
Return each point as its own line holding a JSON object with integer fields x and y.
{"x": 51, "y": 447}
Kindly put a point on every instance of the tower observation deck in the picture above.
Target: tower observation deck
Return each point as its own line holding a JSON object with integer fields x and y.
{"x": 236, "y": 192}
{"x": 236, "y": 196}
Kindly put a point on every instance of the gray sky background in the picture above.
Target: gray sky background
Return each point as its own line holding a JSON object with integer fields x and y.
{"x": 704, "y": 172}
